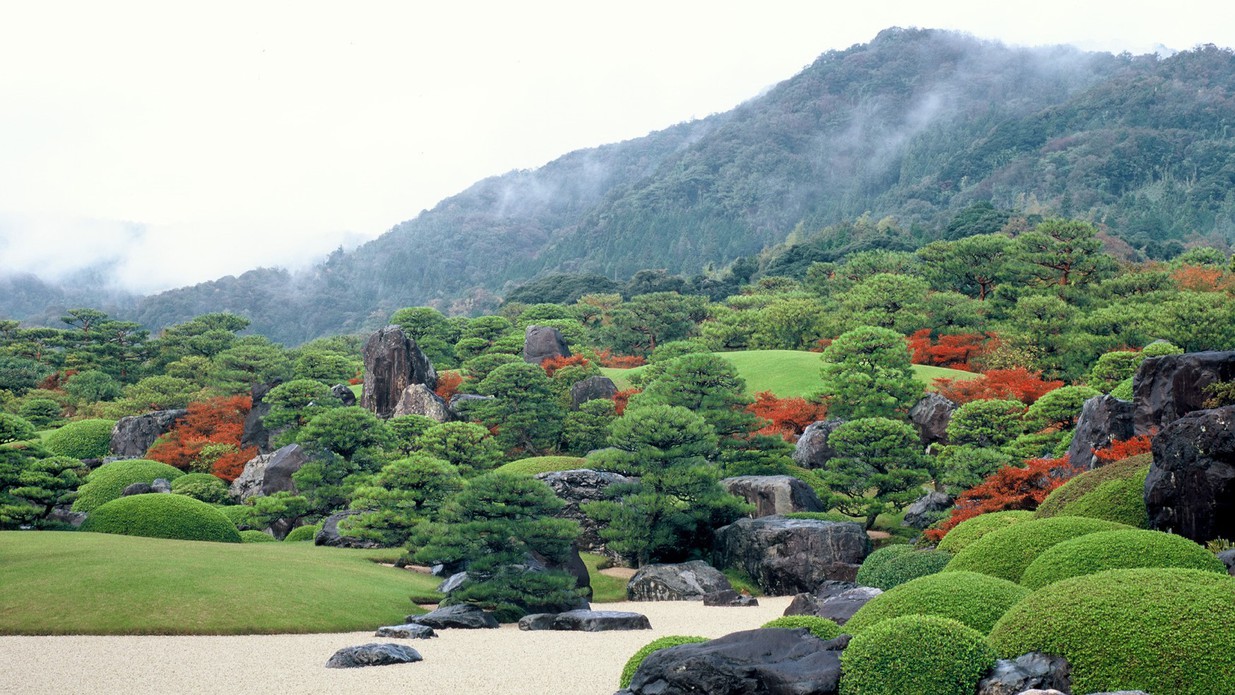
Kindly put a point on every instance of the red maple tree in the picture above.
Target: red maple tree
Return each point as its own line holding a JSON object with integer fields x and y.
{"x": 213, "y": 421}
{"x": 621, "y": 398}
{"x": 786, "y": 417}
{"x": 552, "y": 364}
{"x": 951, "y": 351}
{"x": 1009, "y": 488}
{"x": 1124, "y": 448}
{"x": 606, "y": 358}
{"x": 1011, "y": 384}
{"x": 448, "y": 384}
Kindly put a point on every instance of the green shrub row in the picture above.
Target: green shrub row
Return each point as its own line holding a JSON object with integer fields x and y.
{"x": 891, "y": 566}
{"x": 1109, "y": 550}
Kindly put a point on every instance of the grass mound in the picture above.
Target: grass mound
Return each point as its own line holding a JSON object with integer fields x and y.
{"x": 162, "y": 516}
{"x": 890, "y": 567}
{"x": 971, "y": 530}
{"x": 1109, "y": 550}
{"x": 1157, "y": 630}
{"x": 972, "y": 599}
{"x": 82, "y": 439}
{"x": 915, "y": 654}
{"x": 822, "y": 628}
{"x": 542, "y": 464}
{"x": 302, "y": 533}
{"x": 1007, "y": 552}
{"x": 632, "y": 664}
{"x": 1114, "y": 492}
{"x": 108, "y": 481}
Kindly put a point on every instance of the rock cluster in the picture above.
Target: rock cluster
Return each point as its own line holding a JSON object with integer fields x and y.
{"x": 392, "y": 362}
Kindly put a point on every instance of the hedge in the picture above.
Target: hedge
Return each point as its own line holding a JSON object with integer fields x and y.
{"x": 1156, "y": 630}
{"x": 302, "y": 533}
{"x": 162, "y": 516}
{"x": 632, "y": 664}
{"x": 202, "y": 487}
{"x": 915, "y": 654}
{"x": 972, "y": 599}
{"x": 83, "y": 439}
{"x": 898, "y": 567}
{"x": 1122, "y": 499}
{"x": 971, "y": 530}
{"x": 1007, "y": 552}
{"x": 252, "y": 536}
{"x": 108, "y": 481}
{"x": 822, "y": 628}
{"x": 1110, "y": 550}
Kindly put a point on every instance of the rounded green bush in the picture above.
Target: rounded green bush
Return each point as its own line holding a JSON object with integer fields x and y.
{"x": 975, "y": 600}
{"x": 915, "y": 654}
{"x": 878, "y": 559}
{"x": 108, "y": 481}
{"x": 302, "y": 533}
{"x": 252, "y": 536}
{"x": 822, "y": 628}
{"x": 971, "y": 530}
{"x": 543, "y": 464}
{"x": 1152, "y": 629}
{"x": 902, "y": 567}
{"x": 1110, "y": 550}
{"x": 1122, "y": 499}
{"x": 1007, "y": 552}
{"x": 201, "y": 486}
{"x": 240, "y": 515}
{"x": 83, "y": 439}
{"x": 632, "y": 664}
{"x": 162, "y": 516}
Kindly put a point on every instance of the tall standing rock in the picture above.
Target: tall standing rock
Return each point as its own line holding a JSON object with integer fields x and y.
{"x": 392, "y": 362}
{"x": 1103, "y": 420}
{"x": 1167, "y": 388}
{"x": 133, "y": 435}
{"x": 542, "y": 342}
{"x": 812, "y": 449}
{"x": 1190, "y": 490}
{"x": 255, "y": 432}
{"x": 931, "y": 416}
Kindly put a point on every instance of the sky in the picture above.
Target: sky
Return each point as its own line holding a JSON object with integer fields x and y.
{"x": 181, "y": 142}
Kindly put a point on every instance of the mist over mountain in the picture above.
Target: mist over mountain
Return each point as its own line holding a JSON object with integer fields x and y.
{"x": 916, "y": 124}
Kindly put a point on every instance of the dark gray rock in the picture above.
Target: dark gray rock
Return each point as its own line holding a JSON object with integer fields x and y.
{"x": 729, "y": 597}
{"x": 392, "y": 362}
{"x": 255, "y": 433}
{"x": 1103, "y": 420}
{"x": 408, "y": 631}
{"x": 927, "y": 509}
{"x": 590, "y": 389}
{"x": 812, "y": 449}
{"x": 329, "y": 535}
{"x": 419, "y": 399}
{"x": 686, "y": 581}
{"x": 537, "y": 621}
{"x": 64, "y": 514}
{"x": 137, "y": 489}
{"x": 344, "y": 393}
{"x": 133, "y": 435}
{"x": 788, "y": 556}
{"x": 575, "y": 488}
{"x": 1117, "y": 692}
{"x": 542, "y": 342}
{"x": 282, "y": 464}
{"x": 462, "y": 616}
{"x": 1226, "y": 556}
{"x": 1033, "y": 670}
{"x": 452, "y": 583}
{"x": 772, "y": 661}
{"x": 585, "y": 621}
{"x": 1167, "y": 388}
{"x": 931, "y": 416}
{"x": 1190, "y": 490}
{"x": 161, "y": 485}
{"x": 836, "y": 601}
{"x": 774, "y": 494}
{"x": 373, "y": 655}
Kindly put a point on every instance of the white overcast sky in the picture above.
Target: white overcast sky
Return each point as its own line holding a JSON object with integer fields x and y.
{"x": 193, "y": 140}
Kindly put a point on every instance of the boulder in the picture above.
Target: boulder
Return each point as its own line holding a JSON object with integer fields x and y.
{"x": 1033, "y": 670}
{"x": 686, "y": 581}
{"x": 462, "y": 616}
{"x": 585, "y": 621}
{"x": 408, "y": 631}
{"x": 277, "y": 476}
{"x": 576, "y": 487}
{"x": 774, "y": 494}
{"x": 344, "y": 393}
{"x": 373, "y": 655}
{"x": 788, "y": 556}
{"x": 835, "y": 600}
{"x": 1103, "y": 420}
{"x": 1190, "y": 490}
{"x": 542, "y": 342}
{"x": 133, "y": 435}
{"x": 931, "y": 416}
{"x": 329, "y": 535}
{"x": 731, "y": 598}
{"x": 419, "y": 399}
{"x": 255, "y": 433}
{"x": 1226, "y": 556}
{"x": 812, "y": 449}
{"x": 392, "y": 362}
{"x": 452, "y": 583}
{"x": 64, "y": 514}
{"x": 137, "y": 489}
{"x": 926, "y": 509}
{"x": 1167, "y": 388}
{"x": 788, "y": 662}
{"x": 249, "y": 482}
{"x": 590, "y": 389}
{"x": 160, "y": 485}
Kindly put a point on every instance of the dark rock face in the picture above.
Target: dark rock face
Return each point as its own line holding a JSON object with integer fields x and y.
{"x": 409, "y": 631}
{"x": 137, "y": 489}
{"x": 1226, "y": 556}
{"x": 329, "y": 535}
{"x": 277, "y": 476}
{"x": 585, "y": 621}
{"x": 373, "y": 655}
{"x": 1190, "y": 490}
{"x": 774, "y": 494}
{"x": 590, "y": 389}
{"x": 576, "y": 487}
{"x": 1033, "y": 670}
{"x": 463, "y": 616}
{"x": 729, "y": 597}
{"x": 392, "y": 362}
{"x": 924, "y": 511}
{"x": 133, "y": 435}
{"x": 772, "y": 661}
{"x": 1104, "y": 419}
{"x": 686, "y": 581}
{"x": 344, "y": 394}
{"x": 542, "y": 342}
{"x": 812, "y": 450}
{"x": 931, "y": 416}
{"x": 1167, "y": 388}
{"x": 255, "y": 432}
{"x": 788, "y": 556}
{"x": 836, "y": 601}
{"x": 419, "y": 399}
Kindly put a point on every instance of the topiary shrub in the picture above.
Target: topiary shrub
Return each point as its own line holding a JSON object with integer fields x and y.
{"x": 971, "y": 530}
{"x": 302, "y": 533}
{"x": 202, "y": 487}
{"x": 108, "y": 481}
{"x": 822, "y": 628}
{"x": 1109, "y": 550}
{"x": 162, "y": 516}
{"x": 542, "y": 464}
{"x": 632, "y": 664}
{"x": 1007, "y": 552}
{"x": 1116, "y": 500}
{"x": 975, "y": 600}
{"x": 83, "y": 439}
{"x": 1116, "y": 503}
{"x": 915, "y": 654}
{"x": 240, "y": 515}
{"x": 877, "y": 559}
{"x": 1156, "y": 630}
{"x": 252, "y": 536}
{"x": 899, "y": 567}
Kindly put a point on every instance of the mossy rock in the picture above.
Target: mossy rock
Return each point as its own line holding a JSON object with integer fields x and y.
{"x": 632, "y": 664}
{"x": 202, "y": 487}
{"x": 543, "y": 464}
{"x": 971, "y": 530}
{"x": 891, "y": 566}
{"x": 82, "y": 439}
{"x": 1114, "y": 492}
{"x": 975, "y": 600}
{"x": 1151, "y": 629}
{"x": 1110, "y": 550}
{"x": 302, "y": 533}
{"x": 822, "y": 628}
{"x": 252, "y": 536}
{"x": 108, "y": 481}
{"x": 1007, "y": 552}
{"x": 915, "y": 654}
{"x": 162, "y": 516}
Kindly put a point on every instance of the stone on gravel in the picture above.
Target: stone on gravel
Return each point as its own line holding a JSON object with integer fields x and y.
{"x": 685, "y": 581}
{"x": 408, "y": 631}
{"x": 787, "y": 556}
{"x": 1025, "y": 672}
{"x": 774, "y": 494}
{"x": 729, "y": 597}
{"x": 836, "y": 601}
{"x": 1190, "y": 490}
{"x": 462, "y": 616}
{"x": 586, "y": 621}
{"x": 374, "y": 654}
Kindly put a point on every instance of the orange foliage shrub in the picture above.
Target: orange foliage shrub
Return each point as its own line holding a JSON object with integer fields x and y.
{"x": 786, "y": 417}
{"x": 821, "y": 344}
{"x": 1012, "y": 384}
{"x": 621, "y": 398}
{"x": 1008, "y": 488}
{"x": 952, "y": 351}
{"x": 218, "y": 421}
{"x": 448, "y": 384}
{"x": 607, "y": 359}
{"x": 1200, "y": 278}
{"x": 552, "y": 364}
{"x": 1125, "y": 448}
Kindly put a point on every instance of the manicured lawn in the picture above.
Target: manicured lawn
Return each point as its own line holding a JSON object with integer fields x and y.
{"x": 605, "y": 589}
{"x": 87, "y": 583}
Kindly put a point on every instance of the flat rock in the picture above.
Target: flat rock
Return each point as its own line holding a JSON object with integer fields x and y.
{"x": 787, "y": 556}
{"x": 836, "y": 601}
{"x": 729, "y": 597}
{"x": 462, "y": 616}
{"x": 586, "y": 621}
{"x": 774, "y": 494}
{"x": 685, "y": 581}
{"x": 374, "y": 654}
{"x": 408, "y": 631}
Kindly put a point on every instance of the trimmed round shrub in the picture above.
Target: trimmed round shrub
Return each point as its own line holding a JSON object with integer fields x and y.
{"x": 822, "y": 628}
{"x": 915, "y": 654}
{"x": 1007, "y": 552}
{"x": 201, "y": 486}
{"x": 83, "y": 439}
{"x": 1157, "y": 630}
{"x": 1111, "y": 550}
{"x": 162, "y": 516}
{"x": 543, "y": 464}
{"x": 108, "y": 481}
{"x": 975, "y": 600}
{"x": 971, "y": 530}
{"x": 1122, "y": 500}
{"x": 901, "y": 567}
{"x": 252, "y": 536}
{"x": 632, "y": 664}
{"x": 302, "y": 533}
{"x": 878, "y": 559}
{"x": 240, "y": 515}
